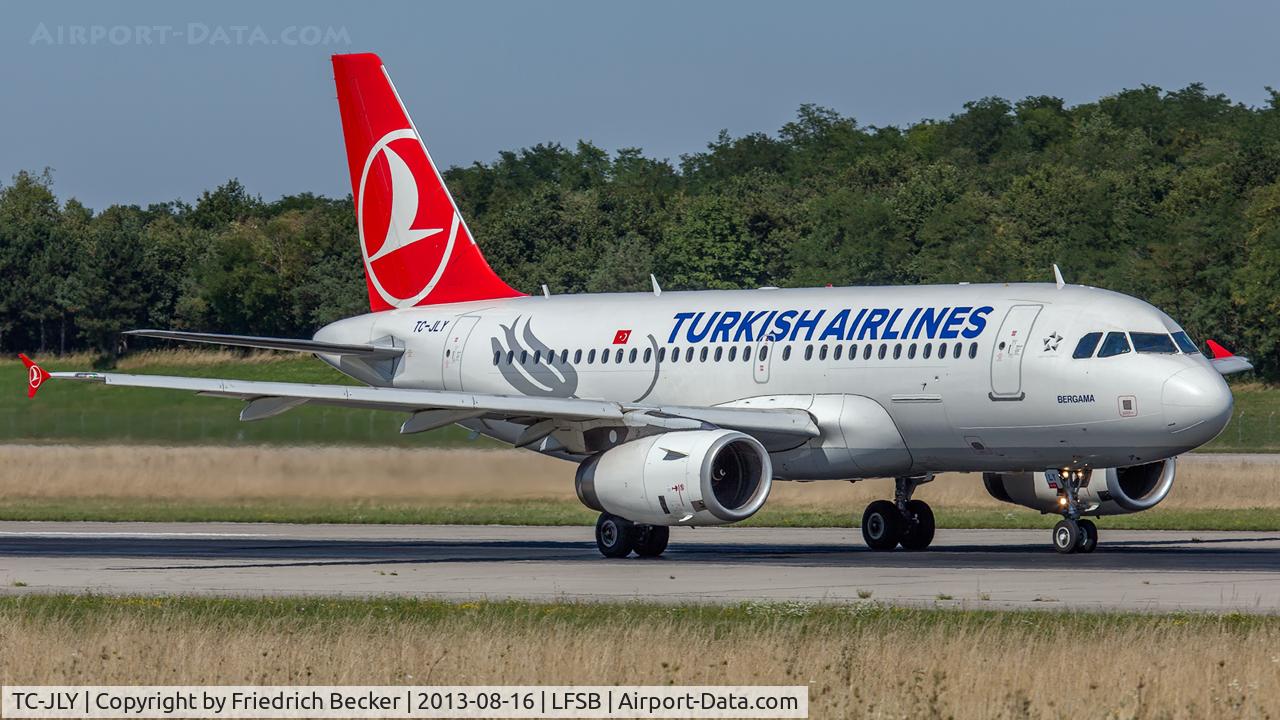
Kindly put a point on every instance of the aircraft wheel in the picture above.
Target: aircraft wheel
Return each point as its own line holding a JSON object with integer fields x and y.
{"x": 1088, "y": 537}
{"x": 651, "y": 540}
{"x": 882, "y": 525}
{"x": 1066, "y": 536}
{"x": 615, "y": 536}
{"x": 918, "y": 526}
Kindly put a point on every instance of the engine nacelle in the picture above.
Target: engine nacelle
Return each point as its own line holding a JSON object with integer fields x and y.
{"x": 694, "y": 477}
{"x": 1107, "y": 491}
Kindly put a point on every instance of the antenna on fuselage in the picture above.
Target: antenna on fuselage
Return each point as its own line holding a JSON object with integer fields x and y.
{"x": 545, "y": 292}
{"x": 656, "y": 289}
{"x": 1057, "y": 277}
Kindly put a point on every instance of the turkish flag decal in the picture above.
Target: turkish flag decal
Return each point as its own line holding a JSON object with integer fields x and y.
{"x": 621, "y": 337}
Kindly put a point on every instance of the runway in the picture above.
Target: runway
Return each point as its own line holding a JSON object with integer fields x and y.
{"x": 1135, "y": 570}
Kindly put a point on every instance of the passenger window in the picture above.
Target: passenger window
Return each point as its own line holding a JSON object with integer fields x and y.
{"x": 618, "y": 357}
{"x": 497, "y": 355}
{"x": 604, "y": 356}
{"x": 866, "y": 351}
{"x": 822, "y": 353}
{"x": 648, "y": 353}
{"x": 959, "y": 348}
{"x": 764, "y": 352}
{"x": 631, "y": 357}
{"x": 884, "y": 350}
{"x": 973, "y": 350}
{"x": 733, "y": 353}
{"x": 942, "y": 351}
{"x": 719, "y": 353}
{"x": 577, "y": 356}
{"x": 662, "y": 354}
{"x": 511, "y": 356}
{"x": 688, "y": 355}
{"x": 897, "y": 351}
{"x": 524, "y": 356}
{"x": 591, "y": 357}
{"x": 564, "y": 356}
{"x": 911, "y": 352}
{"x": 746, "y": 353}
{"x": 928, "y": 350}
{"x": 1153, "y": 343}
{"x": 1185, "y": 344}
{"x": 702, "y": 356}
{"x": 1117, "y": 343}
{"x": 1088, "y": 343}
{"x": 808, "y": 352}
{"x": 836, "y": 354}
{"x": 786, "y": 352}
{"x": 675, "y": 355}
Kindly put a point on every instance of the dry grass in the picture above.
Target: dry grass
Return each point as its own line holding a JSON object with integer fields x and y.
{"x": 859, "y": 661}
{"x": 398, "y": 475}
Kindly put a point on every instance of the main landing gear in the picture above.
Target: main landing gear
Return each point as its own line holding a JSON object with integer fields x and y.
{"x": 905, "y": 522}
{"x": 618, "y": 537}
{"x": 1073, "y": 534}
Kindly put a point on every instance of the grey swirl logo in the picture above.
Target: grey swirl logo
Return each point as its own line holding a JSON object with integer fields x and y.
{"x": 548, "y": 377}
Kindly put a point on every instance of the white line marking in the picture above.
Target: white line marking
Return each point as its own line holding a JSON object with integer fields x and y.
{"x": 58, "y": 533}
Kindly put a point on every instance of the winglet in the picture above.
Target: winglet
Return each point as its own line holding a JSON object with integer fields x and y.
{"x": 1218, "y": 351}
{"x": 36, "y": 375}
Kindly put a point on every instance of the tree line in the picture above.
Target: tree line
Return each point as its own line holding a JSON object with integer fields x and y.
{"x": 1171, "y": 196}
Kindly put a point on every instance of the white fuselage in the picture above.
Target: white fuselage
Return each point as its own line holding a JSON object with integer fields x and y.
{"x": 901, "y": 380}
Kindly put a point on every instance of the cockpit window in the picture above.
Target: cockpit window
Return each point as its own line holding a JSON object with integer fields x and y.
{"x": 1185, "y": 344}
{"x": 1087, "y": 345}
{"x": 1117, "y": 343}
{"x": 1145, "y": 342}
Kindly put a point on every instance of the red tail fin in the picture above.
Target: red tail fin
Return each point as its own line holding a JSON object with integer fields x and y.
{"x": 35, "y": 375}
{"x": 417, "y": 249}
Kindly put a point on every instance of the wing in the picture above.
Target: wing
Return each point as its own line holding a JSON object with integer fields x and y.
{"x": 371, "y": 352}
{"x": 534, "y": 418}
{"x": 1226, "y": 362}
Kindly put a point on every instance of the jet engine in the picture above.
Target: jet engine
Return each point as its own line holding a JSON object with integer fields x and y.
{"x": 693, "y": 477}
{"x": 1105, "y": 491}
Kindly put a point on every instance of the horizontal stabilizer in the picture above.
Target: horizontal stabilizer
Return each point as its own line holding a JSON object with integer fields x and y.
{"x": 269, "y": 343}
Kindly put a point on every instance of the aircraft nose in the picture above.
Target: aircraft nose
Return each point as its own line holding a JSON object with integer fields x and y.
{"x": 1197, "y": 405}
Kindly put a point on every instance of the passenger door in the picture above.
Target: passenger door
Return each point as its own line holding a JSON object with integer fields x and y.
{"x": 453, "y": 347}
{"x": 1007, "y": 353}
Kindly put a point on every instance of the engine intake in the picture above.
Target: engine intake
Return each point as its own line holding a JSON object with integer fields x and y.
{"x": 1109, "y": 491}
{"x": 695, "y": 477}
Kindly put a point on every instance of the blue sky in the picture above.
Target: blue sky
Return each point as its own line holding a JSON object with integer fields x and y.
{"x": 123, "y": 120}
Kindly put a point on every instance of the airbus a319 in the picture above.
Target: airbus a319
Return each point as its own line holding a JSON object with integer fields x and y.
{"x": 682, "y": 408}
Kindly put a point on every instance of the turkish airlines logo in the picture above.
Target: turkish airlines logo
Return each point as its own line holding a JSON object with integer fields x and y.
{"x": 34, "y": 377}
{"x": 395, "y": 215}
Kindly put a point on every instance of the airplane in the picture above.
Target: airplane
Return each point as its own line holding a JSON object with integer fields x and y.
{"x": 682, "y": 408}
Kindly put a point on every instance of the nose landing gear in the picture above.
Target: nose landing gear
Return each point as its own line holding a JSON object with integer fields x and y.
{"x": 905, "y": 522}
{"x": 1073, "y": 534}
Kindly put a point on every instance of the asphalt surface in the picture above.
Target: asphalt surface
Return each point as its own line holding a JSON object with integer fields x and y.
{"x": 1137, "y": 570}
